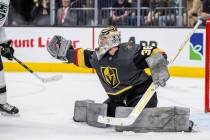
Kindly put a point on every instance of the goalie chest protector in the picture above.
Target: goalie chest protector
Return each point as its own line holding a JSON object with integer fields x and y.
{"x": 119, "y": 72}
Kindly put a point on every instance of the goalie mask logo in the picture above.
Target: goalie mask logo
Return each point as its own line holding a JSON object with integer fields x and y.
{"x": 110, "y": 76}
{"x": 4, "y": 8}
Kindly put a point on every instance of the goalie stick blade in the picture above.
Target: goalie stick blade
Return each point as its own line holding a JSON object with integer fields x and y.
{"x": 115, "y": 121}
{"x": 52, "y": 79}
{"x": 134, "y": 114}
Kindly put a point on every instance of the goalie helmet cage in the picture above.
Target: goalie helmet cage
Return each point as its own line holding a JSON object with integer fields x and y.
{"x": 207, "y": 67}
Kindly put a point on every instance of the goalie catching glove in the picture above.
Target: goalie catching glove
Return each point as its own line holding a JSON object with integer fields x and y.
{"x": 58, "y": 47}
{"x": 7, "y": 50}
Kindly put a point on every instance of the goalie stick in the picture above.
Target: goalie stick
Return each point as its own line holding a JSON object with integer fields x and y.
{"x": 147, "y": 95}
{"x": 44, "y": 80}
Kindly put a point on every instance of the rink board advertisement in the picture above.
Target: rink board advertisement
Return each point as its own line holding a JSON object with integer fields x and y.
{"x": 30, "y": 47}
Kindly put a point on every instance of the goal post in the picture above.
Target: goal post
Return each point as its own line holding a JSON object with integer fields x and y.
{"x": 207, "y": 67}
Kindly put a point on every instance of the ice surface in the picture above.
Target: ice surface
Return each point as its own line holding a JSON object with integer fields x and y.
{"x": 47, "y": 109}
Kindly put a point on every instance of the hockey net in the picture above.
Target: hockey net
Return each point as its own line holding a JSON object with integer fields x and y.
{"x": 207, "y": 68}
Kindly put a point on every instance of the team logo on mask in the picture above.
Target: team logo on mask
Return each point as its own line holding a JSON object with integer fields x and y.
{"x": 3, "y": 12}
{"x": 110, "y": 76}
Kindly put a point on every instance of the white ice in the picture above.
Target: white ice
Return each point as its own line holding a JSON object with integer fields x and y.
{"x": 46, "y": 110}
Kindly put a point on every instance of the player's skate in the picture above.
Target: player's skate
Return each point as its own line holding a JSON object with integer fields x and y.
{"x": 8, "y": 110}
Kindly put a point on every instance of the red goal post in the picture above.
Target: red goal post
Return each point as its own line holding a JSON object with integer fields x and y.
{"x": 207, "y": 67}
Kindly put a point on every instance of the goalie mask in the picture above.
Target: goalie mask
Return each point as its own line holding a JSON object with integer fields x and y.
{"x": 4, "y": 9}
{"x": 108, "y": 38}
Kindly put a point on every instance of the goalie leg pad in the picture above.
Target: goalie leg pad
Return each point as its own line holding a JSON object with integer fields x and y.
{"x": 80, "y": 110}
{"x": 163, "y": 119}
{"x": 88, "y": 111}
{"x": 159, "y": 69}
{"x": 93, "y": 111}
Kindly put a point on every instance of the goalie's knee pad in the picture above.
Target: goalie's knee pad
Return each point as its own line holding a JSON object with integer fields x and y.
{"x": 88, "y": 111}
{"x": 163, "y": 119}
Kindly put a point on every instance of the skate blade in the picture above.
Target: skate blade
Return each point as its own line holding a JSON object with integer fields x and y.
{"x": 4, "y": 114}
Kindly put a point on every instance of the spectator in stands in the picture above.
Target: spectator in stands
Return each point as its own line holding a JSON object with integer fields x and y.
{"x": 150, "y": 16}
{"x": 14, "y": 17}
{"x": 206, "y": 10}
{"x": 121, "y": 16}
{"x": 65, "y": 15}
{"x": 40, "y": 14}
{"x": 132, "y": 18}
{"x": 86, "y": 15}
{"x": 161, "y": 15}
{"x": 194, "y": 9}
{"x": 76, "y": 3}
{"x": 104, "y": 7}
{"x": 105, "y": 3}
{"x": 158, "y": 14}
{"x": 19, "y": 13}
{"x": 145, "y": 6}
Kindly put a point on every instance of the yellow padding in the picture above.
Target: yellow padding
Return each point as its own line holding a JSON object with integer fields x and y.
{"x": 58, "y": 67}
{"x": 184, "y": 71}
{"x": 187, "y": 71}
{"x": 45, "y": 67}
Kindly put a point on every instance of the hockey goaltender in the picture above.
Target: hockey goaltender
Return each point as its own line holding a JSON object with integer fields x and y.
{"x": 121, "y": 70}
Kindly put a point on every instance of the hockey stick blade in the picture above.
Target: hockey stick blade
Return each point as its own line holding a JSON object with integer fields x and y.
{"x": 134, "y": 114}
{"x": 44, "y": 80}
{"x": 4, "y": 114}
{"x": 114, "y": 121}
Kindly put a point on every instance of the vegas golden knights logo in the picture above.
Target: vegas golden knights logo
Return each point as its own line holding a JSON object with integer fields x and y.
{"x": 110, "y": 76}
